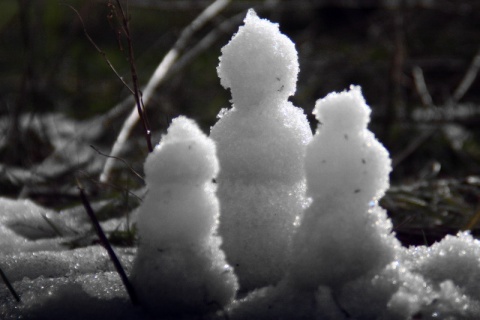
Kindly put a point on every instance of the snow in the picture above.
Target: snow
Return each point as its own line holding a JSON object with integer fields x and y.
{"x": 87, "y": 296}
{"x": 344, "y": 152}
{"x": 296, "y": 217}
{"x": 261, "y": 144}
{"x": 179, "y": 268}
{"x": 24, "y": 227}
{"x": 259, "y": 63}
{"x": 356, "y": 166}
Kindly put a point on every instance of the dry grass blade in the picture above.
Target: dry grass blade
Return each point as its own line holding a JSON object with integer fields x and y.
{"x": 106, "y": 244}
{"x": 9, "y": 286}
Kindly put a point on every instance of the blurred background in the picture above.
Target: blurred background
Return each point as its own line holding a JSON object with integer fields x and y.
{"x": 62, "y": 106}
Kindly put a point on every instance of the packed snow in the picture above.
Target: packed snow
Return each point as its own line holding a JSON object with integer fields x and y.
{"x": 261, "y": 144}
{"x": 179, "y": 268}
{"x": 258, "y": 221}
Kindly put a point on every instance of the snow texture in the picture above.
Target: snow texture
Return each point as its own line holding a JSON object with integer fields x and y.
{"x": 259, "y": 64}
{"x": 331, "y": 256}
{"x": 342, "y": 235}
{"x": 179, "y": 268}
{"x": 261, "y": 145}
{"x": 25, "y": 226}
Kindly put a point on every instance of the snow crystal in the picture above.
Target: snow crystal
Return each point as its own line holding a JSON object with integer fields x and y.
{"x": 54, "y": 264}
{"x": 393, "y": 293}
{"x": 273, "y": 302}
{"x": 455, "y": 258}
{"x": 179, "y": 268}
{"x": 99, "y": 296}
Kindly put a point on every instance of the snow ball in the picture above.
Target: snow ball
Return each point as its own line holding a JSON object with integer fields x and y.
{"x": 344, "y": 112}
{"x": 178, "y": 216}
{"x": 260, "y": 147}
{"x": 258, "y": 63}
{"x": 181, "y": 206}
{"x": 344, "y": 158}
{"x": 184, "y": 154}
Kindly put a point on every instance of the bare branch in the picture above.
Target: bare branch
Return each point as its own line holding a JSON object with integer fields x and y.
{"x": 100, "y": 51}
{"x": 119, "y": 159}
{"x": 421, "y": 86}
{"x": 159, "y": 76}
{"x": 133, "y": 72}
{"x": 468, "y": 79}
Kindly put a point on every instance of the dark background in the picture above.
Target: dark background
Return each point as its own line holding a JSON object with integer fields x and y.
{"x": 50, "y": 69}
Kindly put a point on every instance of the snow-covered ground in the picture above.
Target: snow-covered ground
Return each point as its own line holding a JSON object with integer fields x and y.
{"x": 290, "y": 228}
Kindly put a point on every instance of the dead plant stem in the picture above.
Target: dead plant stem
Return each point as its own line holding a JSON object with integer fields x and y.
{"x": 106, "y": 244}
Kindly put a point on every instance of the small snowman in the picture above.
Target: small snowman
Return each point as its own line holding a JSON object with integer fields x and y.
{"x": 261, "y": 145}
{"x": 179, "y": 268}
{"x": 344, "y": 233}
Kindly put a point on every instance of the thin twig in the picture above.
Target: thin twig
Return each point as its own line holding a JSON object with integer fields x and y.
{"x": 135, "y": 91}
{"x": 421, "y": 86}
{"x": 111, "y": 185}
{"x": 106, "y": 244}
{"x": 158, "y": 77}
{"x": 119, "y": 159}
{"x": 133, "y": 71}
{"x": 100, "y": 51}
{"x": 468, "y": 79}
{"x": 9, "y": 286}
